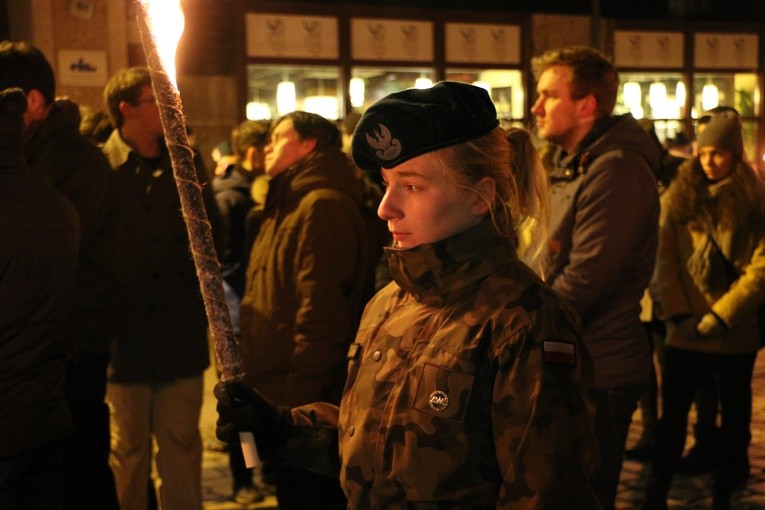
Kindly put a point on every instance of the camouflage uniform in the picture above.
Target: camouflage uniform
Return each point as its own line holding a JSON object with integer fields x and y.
{"x": 465, "y": 388}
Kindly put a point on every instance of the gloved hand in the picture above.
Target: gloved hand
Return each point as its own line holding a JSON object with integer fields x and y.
{"x": 710, "y": 325}
{"x": 685, "y": 326}
{"x": 242, "y": 408}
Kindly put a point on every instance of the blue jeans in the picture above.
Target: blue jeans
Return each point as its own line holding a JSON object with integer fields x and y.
{"x": 613, "y": 416}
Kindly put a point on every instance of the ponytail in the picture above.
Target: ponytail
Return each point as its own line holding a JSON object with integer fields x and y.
{"x": 533, "y": 202}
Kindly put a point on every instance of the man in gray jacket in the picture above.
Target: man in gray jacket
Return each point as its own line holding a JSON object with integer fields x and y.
{"x": 603, "y": 233}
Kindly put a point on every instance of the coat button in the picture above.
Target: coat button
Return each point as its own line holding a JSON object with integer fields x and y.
{"x": 351, "y": 430}
{"x": 377, "y": 356}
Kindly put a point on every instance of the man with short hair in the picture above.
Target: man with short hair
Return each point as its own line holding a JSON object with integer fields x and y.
{"x": 38, "y": 257}
{"x": 233, "y": 185}
{"x": 603, "y": 233}
{"x": 160, "y": 348}
{"x": 55, "y": 149}
{"x": 305, "y": 284}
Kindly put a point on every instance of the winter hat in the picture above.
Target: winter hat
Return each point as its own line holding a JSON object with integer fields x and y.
{"x": 13, "y": 104}
{"x": 415, "y": 121}
{"x": 723, "y": 132}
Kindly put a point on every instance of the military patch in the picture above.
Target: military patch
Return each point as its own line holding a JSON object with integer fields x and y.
{"x": 353, "y": 351}
{"x": 438, "y": 401}
{"x": 387, "y": 147}
{"x": 555, "y": 351}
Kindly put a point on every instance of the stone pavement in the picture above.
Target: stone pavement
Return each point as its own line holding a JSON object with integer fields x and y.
{"x": 691, "y": 493}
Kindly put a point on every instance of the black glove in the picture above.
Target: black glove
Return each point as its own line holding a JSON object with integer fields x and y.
{"x": 685, "y": 327}
{"x": 242, "y": 409}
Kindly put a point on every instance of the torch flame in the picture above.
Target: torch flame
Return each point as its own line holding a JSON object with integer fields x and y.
{"x": 166, "y": 23}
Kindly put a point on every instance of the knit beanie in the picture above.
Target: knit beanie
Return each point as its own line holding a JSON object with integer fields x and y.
{"x": 723, "y": 132}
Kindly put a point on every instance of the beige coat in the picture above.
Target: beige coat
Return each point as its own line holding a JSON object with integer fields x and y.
{"x": 740, "y": 236}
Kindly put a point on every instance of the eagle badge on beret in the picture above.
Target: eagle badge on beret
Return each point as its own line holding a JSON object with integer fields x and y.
{"x": 386, "y": 147}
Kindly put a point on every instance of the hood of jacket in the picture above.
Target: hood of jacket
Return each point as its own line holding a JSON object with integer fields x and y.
{"x": 235, "y": 178}
{"x": 618, "y": 132}
{"x": 64, "y": 116}
{"x": 326, "y": 168}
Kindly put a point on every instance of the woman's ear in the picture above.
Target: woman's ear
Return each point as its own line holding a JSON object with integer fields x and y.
{"x": 486, "y": 191}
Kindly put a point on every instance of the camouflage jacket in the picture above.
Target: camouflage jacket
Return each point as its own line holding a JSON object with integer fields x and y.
{"x": 466, "y": 387}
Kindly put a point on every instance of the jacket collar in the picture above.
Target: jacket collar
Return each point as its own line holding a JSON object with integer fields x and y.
{"x": 117, "y": 150}
{"x": 435, "y": 273}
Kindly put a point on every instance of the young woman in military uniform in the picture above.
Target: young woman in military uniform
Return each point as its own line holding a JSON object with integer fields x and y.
{"x": 466, "y": 380}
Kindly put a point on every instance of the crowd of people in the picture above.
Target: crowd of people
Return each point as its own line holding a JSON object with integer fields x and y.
{"x": 432, "y": 310}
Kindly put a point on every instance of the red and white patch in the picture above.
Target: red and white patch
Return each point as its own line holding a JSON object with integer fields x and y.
{"x": 555, "y": 351}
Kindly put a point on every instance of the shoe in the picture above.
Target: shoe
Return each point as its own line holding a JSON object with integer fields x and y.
{"x": 642, "y": 452}
{"x": 247, "y": 494}
{"x": 699, "y": 460}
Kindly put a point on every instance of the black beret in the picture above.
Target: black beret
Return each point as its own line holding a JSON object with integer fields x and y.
{"x": 415, "y": 121}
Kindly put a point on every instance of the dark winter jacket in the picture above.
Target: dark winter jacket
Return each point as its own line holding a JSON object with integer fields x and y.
{"x": 38, "y": 257}
{"x": 161, "y": 323}
{"x": 603, "y": 237}
{"x": 305, "y": 282}
{"x": 77, "y": 168}
{"x": 232, "y": 193}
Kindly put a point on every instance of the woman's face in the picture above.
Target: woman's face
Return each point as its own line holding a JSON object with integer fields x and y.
{"x": 423, "y": 204}
{"x": 717, "y": 163}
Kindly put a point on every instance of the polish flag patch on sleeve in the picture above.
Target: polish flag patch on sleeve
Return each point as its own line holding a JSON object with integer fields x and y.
{"x": 556, "y": 351}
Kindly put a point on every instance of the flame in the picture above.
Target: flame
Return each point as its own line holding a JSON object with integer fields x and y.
{"x": 166, "y": 23}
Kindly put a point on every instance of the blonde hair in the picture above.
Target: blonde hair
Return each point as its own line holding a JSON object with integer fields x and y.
{"x": 520, "y": 210}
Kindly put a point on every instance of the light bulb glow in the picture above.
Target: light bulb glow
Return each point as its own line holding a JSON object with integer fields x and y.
{"x": 166, "y": 23}
{"x": 632, "y": 95}
{"x": 657, "y": 95}
{"x": 258, "y": 111}
{"x": 423, "y": 83}
{"x": 356, "y": 92}
{"x": 680, "y": 95}
{"x": 710, "y": 96}
{"x": 326, "y": 106}
{"x": 286, "y": 97}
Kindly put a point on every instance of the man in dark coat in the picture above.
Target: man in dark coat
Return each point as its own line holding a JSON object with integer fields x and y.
{"x": 604, "y": 205}
{"x": 308, "y": 270}
{"x": 55, "y": 149}
{"x": 39, "y": 263}
{"x": 160, "y": 349}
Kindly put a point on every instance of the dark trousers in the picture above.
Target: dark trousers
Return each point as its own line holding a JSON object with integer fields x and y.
{"x": 300, "y": 489}
{"x": 32, "y": 481}
{"x": 87, "y": 480}
{"x": 682, "y": 374}
{"x": 614, "y": 408}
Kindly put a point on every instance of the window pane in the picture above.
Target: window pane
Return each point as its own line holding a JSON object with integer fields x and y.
{"x": 370, "y": 84}
{"x": 505, "y": 88}
{"x": 276, "y": 90}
